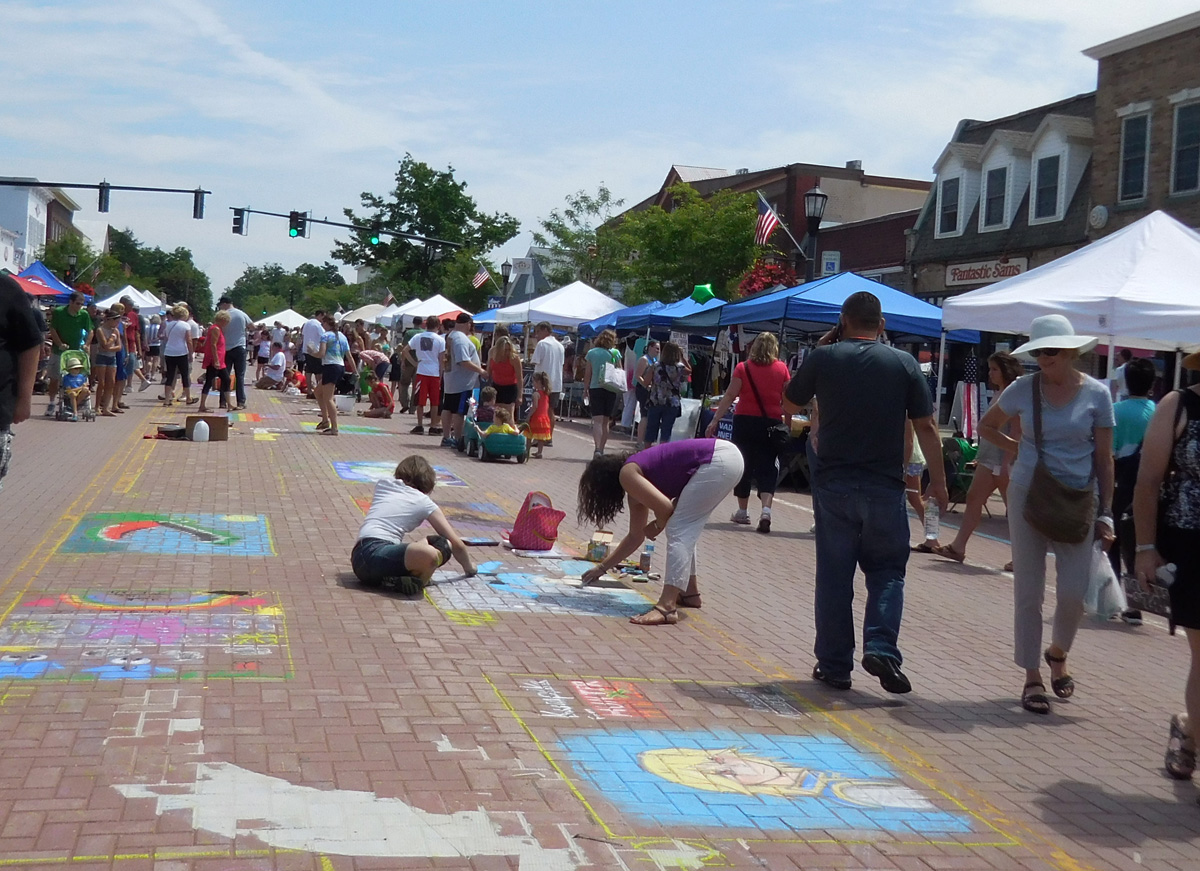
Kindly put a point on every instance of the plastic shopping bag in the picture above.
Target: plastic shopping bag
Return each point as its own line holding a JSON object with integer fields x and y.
{"x": 1105, "y": 595}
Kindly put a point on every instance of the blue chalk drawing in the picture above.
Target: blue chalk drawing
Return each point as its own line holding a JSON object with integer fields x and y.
{"x": 174, "y": 534}
{"x": 490, "y": 568}
{"x": 575, "y": 566}
{"x": 728, "y": 779}
{"x": 27, "y": 667}
{"x": 128, "y": 671}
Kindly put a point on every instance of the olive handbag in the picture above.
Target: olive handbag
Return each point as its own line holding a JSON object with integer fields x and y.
{"x": 1059, "y": 512}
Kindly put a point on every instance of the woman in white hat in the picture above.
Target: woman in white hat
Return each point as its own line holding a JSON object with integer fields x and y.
{"x": 1173, "y": 440}
{"x": 1076, "y": 449}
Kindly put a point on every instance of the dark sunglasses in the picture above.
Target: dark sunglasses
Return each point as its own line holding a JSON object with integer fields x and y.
{"x": 1049, "y": 352}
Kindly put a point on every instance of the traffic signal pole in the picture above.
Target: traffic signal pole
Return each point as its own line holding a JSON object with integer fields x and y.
{"x": 299, "y": 221}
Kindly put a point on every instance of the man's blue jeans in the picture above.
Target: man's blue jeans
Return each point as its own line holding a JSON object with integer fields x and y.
{"x": 858, "y": 525}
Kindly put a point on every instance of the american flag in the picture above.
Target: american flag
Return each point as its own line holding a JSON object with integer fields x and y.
{"x": 767, "y": 222}
{"x": 481, "y": 278}
{"x": 970, "y": 398}
{"x": 391, "y": 300}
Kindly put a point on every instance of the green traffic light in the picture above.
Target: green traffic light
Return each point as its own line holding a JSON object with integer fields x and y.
{"x": 293, "y": 232}
{"x": 374, "y": 239}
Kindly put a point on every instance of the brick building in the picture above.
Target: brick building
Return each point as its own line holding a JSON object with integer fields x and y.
{"x": 875, "y": 248}
{"x": 1146, "y": 154}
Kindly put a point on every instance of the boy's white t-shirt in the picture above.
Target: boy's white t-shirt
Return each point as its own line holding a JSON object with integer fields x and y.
{"x": 426, "y": 347}
{"x": 276, "y": 366}
{"x": 396, "y": 510}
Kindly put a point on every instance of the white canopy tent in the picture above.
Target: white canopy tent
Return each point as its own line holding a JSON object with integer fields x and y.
{"x": 365, "y": 312}
{"x": 291, "y": 320}
{"x": 436, "y": 305}
{"x": 141, "y": 298}
{"x": 1138, "y": 287}
{"x": 388, "y": 318}
{"x": 568, "y": 306}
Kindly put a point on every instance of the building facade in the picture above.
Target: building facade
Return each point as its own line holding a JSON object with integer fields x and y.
{"x": 35, "y": 215}
{"x": 1147, "y": 126}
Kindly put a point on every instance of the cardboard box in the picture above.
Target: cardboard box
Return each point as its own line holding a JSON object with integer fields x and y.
{"x": 218, "y": 426}
{"x": 599, "y": 545}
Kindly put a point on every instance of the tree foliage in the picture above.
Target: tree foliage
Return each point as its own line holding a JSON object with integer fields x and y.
{"x": 579, "y": 251}
{"x": 272, "y": 287}
{"x": 429, "y": 203}
{"x": 765, "y": 274}
{"x": 699, "y": 241}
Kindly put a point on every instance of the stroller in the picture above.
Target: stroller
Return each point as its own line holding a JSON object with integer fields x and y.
{"x": 80, "y": 361}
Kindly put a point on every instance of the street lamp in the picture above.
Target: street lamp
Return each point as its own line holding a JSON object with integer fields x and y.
{"x": 814, "y": 210}
{"x": 70, "y": 276}
{"x": 505, "y": 272}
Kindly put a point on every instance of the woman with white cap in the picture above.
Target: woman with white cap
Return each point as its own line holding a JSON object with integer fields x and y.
{"x": 1065, "y": 454}
{"x": 1171, "y": 450}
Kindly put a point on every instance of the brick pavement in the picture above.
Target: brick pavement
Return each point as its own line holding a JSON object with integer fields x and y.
{"x": 192, "y": 679}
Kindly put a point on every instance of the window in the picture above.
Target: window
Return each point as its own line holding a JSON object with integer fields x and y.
{"x": 948, "y": 206}
{"x": 993, "y": 206}
{"x": 1045, "y": 198}
{"x": 1135, "y": 144}
{"x": 1186, "y": 173}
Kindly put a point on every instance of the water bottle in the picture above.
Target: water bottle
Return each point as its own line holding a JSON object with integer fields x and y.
{"x": 931, "y": 520}
{"x": 647, "y": 556}
{"x": 200, "y": 431}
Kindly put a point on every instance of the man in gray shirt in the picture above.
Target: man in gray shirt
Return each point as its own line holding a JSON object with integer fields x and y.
{"x": 461, "y": 378}
{"x": 866, "y": 392}
{"x": 235, "y": 345}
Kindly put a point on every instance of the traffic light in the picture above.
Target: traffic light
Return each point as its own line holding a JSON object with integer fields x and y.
{"x": 239, "y": 222}
{"x": 198, "y": 204}
{"x": 104, "y": 190}
{"x": 295, "y": 224}
{"x": 376, "y": 229}
{"x": 69, "y": 275}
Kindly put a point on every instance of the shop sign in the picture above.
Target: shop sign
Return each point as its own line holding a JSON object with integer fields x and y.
{"x": 985, "y": 271}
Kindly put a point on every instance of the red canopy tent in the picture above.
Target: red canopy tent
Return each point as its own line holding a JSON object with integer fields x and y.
{"x": 34, "y": 286}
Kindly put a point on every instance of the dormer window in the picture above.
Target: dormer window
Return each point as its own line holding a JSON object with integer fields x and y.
{"x": 948, "y": 206}
{"x": 995, "y": 193}
{"x": 1046, "y": 185}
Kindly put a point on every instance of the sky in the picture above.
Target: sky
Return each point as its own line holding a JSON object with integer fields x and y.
{"x": 304, "y": 105}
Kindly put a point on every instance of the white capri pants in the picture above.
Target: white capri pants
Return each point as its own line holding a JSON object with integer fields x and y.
{"x": 701, "y": 495}
{"x": 1072, "y": 569}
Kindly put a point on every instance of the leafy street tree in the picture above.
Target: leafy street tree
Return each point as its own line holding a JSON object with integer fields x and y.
{"x": 429, "y": 203}
{"x": 701, "y": 241}
{"x": 288, "y": 288}
{"x": 579, "y": 250}
{"x": 456, "y": 280}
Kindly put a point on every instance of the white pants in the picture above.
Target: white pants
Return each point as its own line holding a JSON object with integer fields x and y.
{"x": 1072, "y": 569}
{"x": 700, "y": 497}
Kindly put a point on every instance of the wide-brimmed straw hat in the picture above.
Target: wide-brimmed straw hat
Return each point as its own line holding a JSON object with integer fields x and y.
{"x": 1192, "y": 361}
{"x": 1055, "y": 331}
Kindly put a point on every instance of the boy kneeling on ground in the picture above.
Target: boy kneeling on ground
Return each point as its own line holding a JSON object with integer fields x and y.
{"x": 381, "y": 557}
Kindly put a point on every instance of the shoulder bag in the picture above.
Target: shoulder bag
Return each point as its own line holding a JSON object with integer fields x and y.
{"x": 614, "y": 375}
{"x": 1061, "y": 513}
{"x": 777, "y": 434}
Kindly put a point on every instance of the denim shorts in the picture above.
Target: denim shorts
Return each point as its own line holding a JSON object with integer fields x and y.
{"x": 106, "y": 361}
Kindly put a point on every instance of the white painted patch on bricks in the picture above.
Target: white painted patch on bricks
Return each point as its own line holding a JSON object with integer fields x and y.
{"x": 230, "y": 801}
{"x": 445, "y": 745}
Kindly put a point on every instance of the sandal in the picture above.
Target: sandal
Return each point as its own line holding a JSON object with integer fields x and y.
{"x": 1035, "y": 703}
{"x": 947, "y": 552}
{"x": 1064, "y": 687}
{"x": 689, "y": 600}
{"x": 1179, "y": 761}
{"x": 668, "y": 618}
{"x": 923, "y": 547}
{"x": 1008, "y": 566}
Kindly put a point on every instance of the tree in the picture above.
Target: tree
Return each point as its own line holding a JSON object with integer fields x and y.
{"x": 766, "y": 274}
{"x": 578, "y": 250}
{"x": 171, "y": 275}
{"x": 429, "y": 203}
{"x": 700, "y": 241}
{"x": 456, "y": 280}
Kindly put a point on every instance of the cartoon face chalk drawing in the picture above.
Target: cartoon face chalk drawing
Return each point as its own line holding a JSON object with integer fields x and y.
{"x": 528, "y": 592}
{"x": 128, "y": 635}
{"x": 735, "y": 780}
{"x": 370, "y": 471}
{"x": 190, "y": 534}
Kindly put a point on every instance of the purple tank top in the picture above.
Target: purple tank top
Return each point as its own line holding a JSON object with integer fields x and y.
{"x": 669, "y": 467}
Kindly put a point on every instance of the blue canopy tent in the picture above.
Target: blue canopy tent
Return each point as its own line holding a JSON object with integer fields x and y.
{"x": 816, "y": 305}
{"x": 634, "y": 317}
{"x": 38, "y": 270}
{"x": 671, "y": 315}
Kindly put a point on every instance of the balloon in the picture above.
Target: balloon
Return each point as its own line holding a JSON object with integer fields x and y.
{"x": 703, "y": 293}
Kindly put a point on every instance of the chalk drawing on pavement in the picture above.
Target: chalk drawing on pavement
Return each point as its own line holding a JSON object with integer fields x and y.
{"x": 105, "y": 635}
{"x": 353, "y": 428}
{"x": 528, "y": 592}
{"x": 187, "y": 534}
{"x": 370, "y": 471}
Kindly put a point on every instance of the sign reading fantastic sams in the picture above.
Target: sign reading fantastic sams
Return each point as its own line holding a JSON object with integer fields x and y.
{"x": 985, "y": 271}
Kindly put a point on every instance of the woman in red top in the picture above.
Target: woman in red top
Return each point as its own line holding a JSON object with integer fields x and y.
{"x": 214, "y": 360}
{"x": 504, "y": 368}
{"x": 757, "y": 385}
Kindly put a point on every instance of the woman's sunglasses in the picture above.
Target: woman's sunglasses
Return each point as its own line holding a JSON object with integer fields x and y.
{"x": 1049, "y": 352}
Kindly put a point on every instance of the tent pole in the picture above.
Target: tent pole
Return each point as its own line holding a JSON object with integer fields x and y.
{"x": 1178, "y": 367}
{"x": 937, "y": 400}
{"x": 1112, "y": 352}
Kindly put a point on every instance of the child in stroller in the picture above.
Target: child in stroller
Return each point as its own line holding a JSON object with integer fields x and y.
{"x": 74, "y": 387}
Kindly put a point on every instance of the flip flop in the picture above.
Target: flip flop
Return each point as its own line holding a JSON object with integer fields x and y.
{"x": 923, "y": 547}
{"x": 689, "y": 600}
{"x": 669, "y": 618}
{"x": 946, "y": 551}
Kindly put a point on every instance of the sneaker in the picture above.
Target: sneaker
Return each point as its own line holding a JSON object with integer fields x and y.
{"x": 50, "y": 410}
{"x": 1132, "y": 616}
{"x": 764, "y": 524}
{"x": 143, "y": 387}
{"x": 447, "y": 443}
{"x": 812, "y": 529}
{"x": 417, "y": 430}
{"x": 435, "y": 430}
{"x": 741, "y": 517}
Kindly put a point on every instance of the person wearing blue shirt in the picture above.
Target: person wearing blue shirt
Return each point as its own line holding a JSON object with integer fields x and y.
{"x": 1132, "y": 416}
{"x": 336, "y": 360}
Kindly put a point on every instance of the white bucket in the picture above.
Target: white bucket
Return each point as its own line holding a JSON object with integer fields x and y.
{"x": 200, "y": 431}
{"x": 344, "y": 403}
